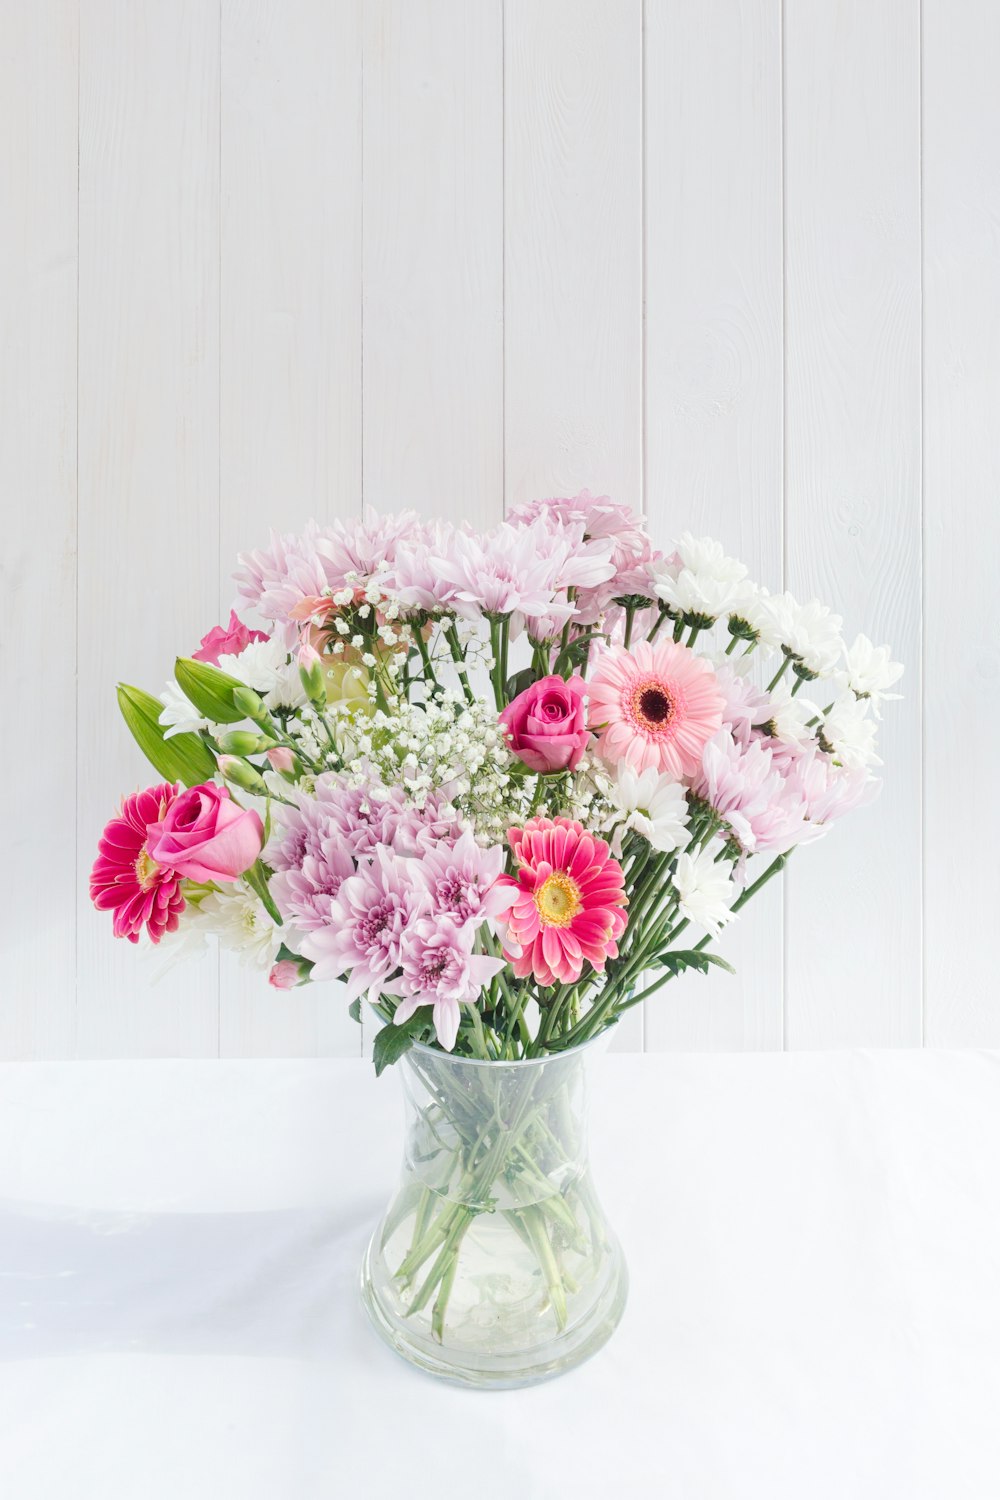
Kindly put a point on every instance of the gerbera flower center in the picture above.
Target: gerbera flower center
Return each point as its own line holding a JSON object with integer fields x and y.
{"x": 653, "y": 706}
{"x": 145, "y": 869}
{"x": 558, "y": 900}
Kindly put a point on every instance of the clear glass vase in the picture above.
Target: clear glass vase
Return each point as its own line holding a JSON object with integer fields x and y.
{"x": 494, "y": 1264}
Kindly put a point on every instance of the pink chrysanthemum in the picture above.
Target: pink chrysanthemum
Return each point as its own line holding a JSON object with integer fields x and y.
{"x": 569, "y": 906}
{"x": 655, "y": 705}
{"x": 126, "y": 881}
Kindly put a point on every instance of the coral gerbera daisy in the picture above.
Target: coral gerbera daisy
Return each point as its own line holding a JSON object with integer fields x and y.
{"x": 127, "y": 880}
{"x": 569, "y": 905}
{"x": 656, "y": 705}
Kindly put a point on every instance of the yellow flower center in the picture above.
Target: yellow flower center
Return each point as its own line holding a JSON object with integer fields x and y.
{"x": 558, "y": 901}
{"x": 145, "y": 869}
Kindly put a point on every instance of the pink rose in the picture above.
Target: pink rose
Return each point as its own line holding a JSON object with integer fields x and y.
{"x": 231, "y": 642}
{"x": 545, "y": 724}
{"x": 284, "y": 975}
{"x": 205, "y": 835}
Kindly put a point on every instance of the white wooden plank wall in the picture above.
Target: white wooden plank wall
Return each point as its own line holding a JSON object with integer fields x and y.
{"x": 713, "y": 395}
{"x": 735, "y": 261}
{"x": 853, "y": 484}
{"x": 290, "y": 355}
{"x": 961, "y": 383}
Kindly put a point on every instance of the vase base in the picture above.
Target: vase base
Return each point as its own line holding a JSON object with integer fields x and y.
{"x": 483, "y": 1370}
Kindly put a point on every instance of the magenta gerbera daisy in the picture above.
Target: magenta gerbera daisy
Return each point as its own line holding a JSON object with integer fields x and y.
{"x": 126, "y": 880}
{"x": 656, "y": 705}
{"x": 570, "y": 900}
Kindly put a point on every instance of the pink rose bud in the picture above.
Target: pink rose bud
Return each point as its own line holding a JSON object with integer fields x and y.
{"x": 281, "y": 758}
{"x": 546, "y": 726}
{"x": 284, "y": 975}
{"x": 229, "y": 641}
{"x": 206, "y": 836}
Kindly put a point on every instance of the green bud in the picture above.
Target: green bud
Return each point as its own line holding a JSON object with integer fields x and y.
{"x": 210, "y": 690}
{"x": 313, "y": 683}
{"x": 242, "y": 774}
{"x": 251, "y": 706}
{"x": 244, "y": 742}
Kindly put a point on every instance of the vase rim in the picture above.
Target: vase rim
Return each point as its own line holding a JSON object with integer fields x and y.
{"x": 515, "y": 1062}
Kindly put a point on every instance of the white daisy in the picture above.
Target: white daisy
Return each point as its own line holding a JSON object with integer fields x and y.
{"x": 849, "y": 734}
{"x": 706, "y": 584}
{"x": 264, "y": 666}
{"x": 870, "y": 671}
{"x": 237, "y": 918}
{"x": 810, "y": 633}
{"x": 791, "y": 716}
{"x": 751, "y": 619}
{"x": 653, "y": 805}
{"x": 705, "y": 889}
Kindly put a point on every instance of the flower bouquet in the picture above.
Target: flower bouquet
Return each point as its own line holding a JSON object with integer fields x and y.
{"x": 505, "y": 786}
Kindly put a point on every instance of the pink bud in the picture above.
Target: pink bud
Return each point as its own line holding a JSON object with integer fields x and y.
{"x": 284, "y": 975}
{"x": 281, "y": 758}
{"x": 307, "y": 654}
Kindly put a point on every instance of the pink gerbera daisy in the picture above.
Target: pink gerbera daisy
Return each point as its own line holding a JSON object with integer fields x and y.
{"x": 656, "y": 705}
{"x": 569, "y": 905}
{"x": 126, "y": 880}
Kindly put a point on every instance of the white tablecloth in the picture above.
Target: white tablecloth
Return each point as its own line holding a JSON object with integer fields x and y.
{"x": 814, "y": 1244}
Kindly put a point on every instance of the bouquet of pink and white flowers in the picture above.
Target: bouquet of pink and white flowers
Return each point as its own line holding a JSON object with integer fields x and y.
{"x": 492, "y": 781}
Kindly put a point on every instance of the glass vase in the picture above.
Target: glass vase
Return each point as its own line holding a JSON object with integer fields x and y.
{"x": 494, "y": 1264}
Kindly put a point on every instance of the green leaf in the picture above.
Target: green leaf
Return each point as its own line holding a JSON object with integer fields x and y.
{"x": 520, "y": 682}
{"x": 575, "y": 653}
{"x": 691, "y": 958}
{"x": 181, "y": 758}
{"x": 354, "y": 1009}
{"x": 210, "y": 690}
{"x": 257, "y": 877}
{"x": 720, "y": 963}
{"x": 393, "y": 1041}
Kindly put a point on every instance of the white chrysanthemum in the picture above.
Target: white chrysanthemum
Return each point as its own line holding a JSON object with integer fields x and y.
{"x": 810, "y": 633}
{"x": 705, "y": 889}
{"x": 653, "y": 805}
{"x": 179, "y": 715}
{"x": 237, "y": 918}
{"x": 707, "y": 583}
{"x": 793, "y": 717}
{"x": 754, "y": 618}
{"x": 870, "y": 671}
{"x": 264, "y": 666}
{"x": 849, "y": 734}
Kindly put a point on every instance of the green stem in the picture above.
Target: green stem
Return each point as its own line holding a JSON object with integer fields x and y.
{"x": 655, "y": 629}
{"x": 751, "y": 890}
{"x": 504, "y": 640}
{"x": 441, "y": 1300}
{"x": 495, "y": 652}
{"x": 458, "y": 657}
{"x": 426, "y": 659}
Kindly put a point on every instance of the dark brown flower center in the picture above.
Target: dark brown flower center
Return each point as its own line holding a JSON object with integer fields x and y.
{"x": 655, "y": 706}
